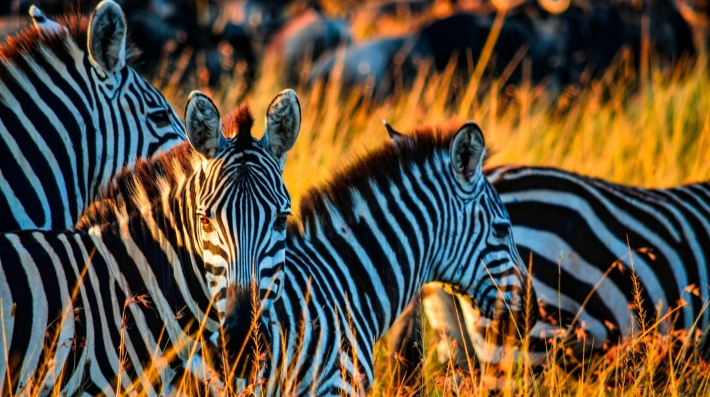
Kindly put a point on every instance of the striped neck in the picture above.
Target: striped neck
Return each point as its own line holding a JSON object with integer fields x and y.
{"x": 389, "y": 236}
{"x": 66, "y": 123}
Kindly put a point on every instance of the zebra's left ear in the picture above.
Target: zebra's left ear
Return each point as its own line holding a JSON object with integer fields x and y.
{"x": 44, "y": 24}
{"x": 283, "y": 122}
{"x": 107, "y": 38}
{"x": 203, "y": 125}
{"x": 395, "y": 135}
{"x": 467, "y": 152}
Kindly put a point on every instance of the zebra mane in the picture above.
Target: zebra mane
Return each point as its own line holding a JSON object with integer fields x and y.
{"x": 136, "y": 187}
{"x": 238, "y": 124}
{"x": 30, "y": 41}
{"x": 148, "y": 181}
{"x": 381, "y": 166}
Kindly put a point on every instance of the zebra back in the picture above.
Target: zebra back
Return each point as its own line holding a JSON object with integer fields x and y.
{"x": 72, "y": 115}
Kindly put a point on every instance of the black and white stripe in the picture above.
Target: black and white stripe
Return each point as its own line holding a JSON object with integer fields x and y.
{"x": 168, "y": 250}
{"x": 416, "y": 211}
{"x": 576, "y": 230}
{"x": 72, "y": 115}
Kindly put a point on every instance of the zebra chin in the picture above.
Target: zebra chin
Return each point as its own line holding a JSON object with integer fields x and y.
{"x": 242, "y": 338}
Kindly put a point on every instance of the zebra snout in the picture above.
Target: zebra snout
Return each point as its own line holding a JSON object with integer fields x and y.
{"x": 244, "y": 334}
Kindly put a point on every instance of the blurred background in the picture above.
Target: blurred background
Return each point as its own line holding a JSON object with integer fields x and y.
{"x": 385, "y": 44}
{"x": 613, "y": 88}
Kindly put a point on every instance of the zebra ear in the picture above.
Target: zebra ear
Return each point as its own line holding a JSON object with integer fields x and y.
{"x": 107, "y": 38}
{"x": 44, "y": 24}
{"x": 467, "y": 152}
{"x": 203, "y": 125}
{"x": 394, "y": 134}
{"x": 283, "y": 122}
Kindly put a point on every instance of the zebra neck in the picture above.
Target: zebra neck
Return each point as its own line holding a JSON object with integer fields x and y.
{"x": 380, "y": 248}
{"x": 48, "y": 95}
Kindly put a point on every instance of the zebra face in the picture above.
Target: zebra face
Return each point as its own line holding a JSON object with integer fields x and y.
{"x": 128, "y": 106}
{"x": 486, "y": 265}
{"x": 240, "y": 203}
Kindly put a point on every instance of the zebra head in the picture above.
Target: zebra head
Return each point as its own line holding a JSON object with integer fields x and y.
{"x": 478, "y": 253}
{"x": 485, "y": 264}
{"x": 126, "y": 107}
{"x": 239, "y": 204}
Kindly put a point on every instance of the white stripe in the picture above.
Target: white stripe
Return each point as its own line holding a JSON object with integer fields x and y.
{"x": 39, "y": 310}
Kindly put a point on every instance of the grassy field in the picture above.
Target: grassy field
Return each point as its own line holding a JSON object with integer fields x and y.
{"x": 652, "y": 132}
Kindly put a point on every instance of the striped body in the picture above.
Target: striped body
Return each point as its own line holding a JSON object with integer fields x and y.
{"x": 395, "y": 220}
{"x": 576, "y": 230}
{"x": 67, "y": 124}
{"x": 78, "y": 287}
{"x": 156, "y": 268}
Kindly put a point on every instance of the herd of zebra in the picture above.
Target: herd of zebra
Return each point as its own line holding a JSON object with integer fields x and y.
{"x": 141, "y": 255}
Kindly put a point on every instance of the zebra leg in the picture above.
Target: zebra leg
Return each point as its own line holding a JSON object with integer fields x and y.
{"x": 405, "y": 347}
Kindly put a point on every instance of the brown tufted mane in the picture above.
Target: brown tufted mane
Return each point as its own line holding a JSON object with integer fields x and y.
{"x": 29, "y": 39}
{"x": 381, "y": 166}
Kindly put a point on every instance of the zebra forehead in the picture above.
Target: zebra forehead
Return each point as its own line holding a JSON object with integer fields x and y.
{"x": 238, "y": 124}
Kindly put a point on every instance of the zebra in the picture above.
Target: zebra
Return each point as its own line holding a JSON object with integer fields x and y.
{"x": 586, "y": 238}
{"x": 72, "y": 115}
{"x": 166, "y": 259}
{"x": 409, "y": 213}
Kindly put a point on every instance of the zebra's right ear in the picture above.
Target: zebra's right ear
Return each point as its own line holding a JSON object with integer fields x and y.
{"x": 283, "y": 123}
{"x": 203, "y": 125}
{"x": 467, "y": 152}
{"x": 107, "y": 38}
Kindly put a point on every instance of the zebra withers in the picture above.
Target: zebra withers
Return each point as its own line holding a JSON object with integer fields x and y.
{"x": 582, "y": 233}
{"x": 415, "y": 211}
{"x": 72, "y": 115}
{"x": 159, "y": 265}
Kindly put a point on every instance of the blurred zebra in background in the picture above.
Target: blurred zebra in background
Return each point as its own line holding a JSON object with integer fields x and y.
{"x": 72, "y": 115}
{"x": 413, "y": 212}
{"x": 169, "y": 258}
{"x": 582, "y": 234}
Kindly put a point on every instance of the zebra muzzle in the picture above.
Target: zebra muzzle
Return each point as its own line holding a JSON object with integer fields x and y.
{"x": 244, "y": 334}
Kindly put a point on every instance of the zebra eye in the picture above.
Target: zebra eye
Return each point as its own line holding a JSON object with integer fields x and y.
{"x": 280, "y": 224}
{"x": 207, "y": 225}
{"x": 160, "y": 118}
{"x": 501, "y": 230}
